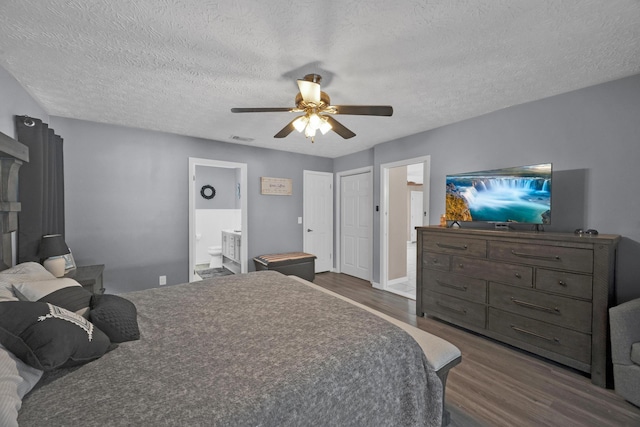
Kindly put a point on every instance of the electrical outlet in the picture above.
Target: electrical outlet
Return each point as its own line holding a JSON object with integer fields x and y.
{"x": 299, "y": 220}
{"x": 162, "y": 280}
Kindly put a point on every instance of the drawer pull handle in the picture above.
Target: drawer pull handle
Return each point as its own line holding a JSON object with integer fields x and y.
{"x": 445, "y": 246}
{"x": 524, "y": 331}
{"x": 435, "y": 260}
{"x": 542, "y": 257}
{"x": 449, "y": 285}
{"x": 562, "y": 283}
{"x": 555, "y": 310}
{"x": 457, "y": 310}
{"x": 518, "y": 275}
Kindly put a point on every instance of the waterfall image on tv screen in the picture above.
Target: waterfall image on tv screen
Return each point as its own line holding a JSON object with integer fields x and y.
{"x": 517, "y": 194}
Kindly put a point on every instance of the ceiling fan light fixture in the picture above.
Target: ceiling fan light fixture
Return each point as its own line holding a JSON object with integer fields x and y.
{"x": 300, "y": 123}
{"x": 314, "y": 121}
{"x": 309, "y": 132}
{"x": 317, "y": 111}
{"x": 310, "y": 91}
{"x": 325, "y": 126}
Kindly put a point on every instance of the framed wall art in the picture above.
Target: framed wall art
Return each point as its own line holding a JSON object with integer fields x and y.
{"x": 276, "y": 186}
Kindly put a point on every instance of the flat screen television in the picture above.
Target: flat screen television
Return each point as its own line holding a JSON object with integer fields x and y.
{"x": 517, "y": 194}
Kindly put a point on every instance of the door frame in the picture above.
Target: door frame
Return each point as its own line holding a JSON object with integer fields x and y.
{"x": 413, "y": 232}
{"x": 244, "y": 238}
{"x": 338, "y": 187}
{"x": 384, "y": 205}
{"x": 305, "y": 173}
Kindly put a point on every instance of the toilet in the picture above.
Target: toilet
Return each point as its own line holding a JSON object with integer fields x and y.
{"x": 216, "y": 256}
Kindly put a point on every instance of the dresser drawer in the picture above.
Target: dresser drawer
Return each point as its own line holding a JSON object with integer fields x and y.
{"x": 518, "y": 275}
{"x": 456, "y": 285}
{"x": 561, "y": 282}
{"x": 573, "y": 259}
{"x": 572, "y": 344}
{"x": 436, "y": 261}
{"x": 561, "y": 311}
{"x": 454, "y": 310}
{"x": 454, "y": 245}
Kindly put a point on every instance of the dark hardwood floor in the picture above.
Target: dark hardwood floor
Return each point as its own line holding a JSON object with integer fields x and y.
{"x": 496, "y": 385}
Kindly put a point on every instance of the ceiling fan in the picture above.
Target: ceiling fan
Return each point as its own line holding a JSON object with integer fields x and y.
{"x": 318, "y": 111}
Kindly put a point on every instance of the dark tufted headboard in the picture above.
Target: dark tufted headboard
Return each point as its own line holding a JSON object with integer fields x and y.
{"x": 12, "y": 156}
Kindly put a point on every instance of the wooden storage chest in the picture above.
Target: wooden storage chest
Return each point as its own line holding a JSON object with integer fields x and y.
{"x": 295, "y": 263}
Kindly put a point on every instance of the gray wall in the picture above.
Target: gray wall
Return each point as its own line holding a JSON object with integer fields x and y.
{"x": 15, "y": 101}
{"x": 127, "y": 199}
{"x": 592, "y": 137}
{"x": 357, "y": 160}
{"x": 223, "y": 180}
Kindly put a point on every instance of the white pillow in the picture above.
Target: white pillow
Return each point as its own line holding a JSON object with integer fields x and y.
{"x": 36, "y": 289}
{"x": 6, "y": 292}
{"x": 63, "y": 292}
{"x": 25, "y": 272}
{"x": 16, "y": 380}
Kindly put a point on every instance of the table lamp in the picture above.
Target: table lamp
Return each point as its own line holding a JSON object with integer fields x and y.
{"x": 52, "y": 250}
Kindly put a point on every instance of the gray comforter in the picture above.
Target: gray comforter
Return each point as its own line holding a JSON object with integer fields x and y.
{"x": 250, "y": 350}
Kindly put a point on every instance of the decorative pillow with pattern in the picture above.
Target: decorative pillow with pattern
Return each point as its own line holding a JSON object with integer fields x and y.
{"x": 48, "y": 337}
{"x": 63, "y": 292}
{"x": 115, "y": 316}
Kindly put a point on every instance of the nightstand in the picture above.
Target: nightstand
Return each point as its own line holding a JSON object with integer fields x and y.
{"x": 90, "y": 277}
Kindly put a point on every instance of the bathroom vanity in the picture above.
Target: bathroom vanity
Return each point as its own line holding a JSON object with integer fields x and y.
{"x": 231, "y": 250}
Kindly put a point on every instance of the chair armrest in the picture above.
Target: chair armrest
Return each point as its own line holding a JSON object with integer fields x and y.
{"x": 625, "y": 330}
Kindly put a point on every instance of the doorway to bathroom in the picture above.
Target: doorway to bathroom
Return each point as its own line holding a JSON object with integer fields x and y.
{"x": 217, "y": 218}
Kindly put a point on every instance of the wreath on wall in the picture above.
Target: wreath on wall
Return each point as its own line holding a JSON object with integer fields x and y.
{"x": 208, "y": 192}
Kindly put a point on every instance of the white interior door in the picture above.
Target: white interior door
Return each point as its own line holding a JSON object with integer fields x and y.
{"x": 318, "y": 218}
{"x": 416, "y": 213}
{"x": 356, "y": 222}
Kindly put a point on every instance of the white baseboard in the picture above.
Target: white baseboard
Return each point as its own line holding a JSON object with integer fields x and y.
{"x": 377, "y": 286}
{"x": 398, "y": 280}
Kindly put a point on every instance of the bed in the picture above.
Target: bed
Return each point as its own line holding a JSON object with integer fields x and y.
{"x": 260, "y": 349}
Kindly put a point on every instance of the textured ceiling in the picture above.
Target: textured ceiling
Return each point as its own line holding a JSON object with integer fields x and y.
{"x": 180, "y": 65}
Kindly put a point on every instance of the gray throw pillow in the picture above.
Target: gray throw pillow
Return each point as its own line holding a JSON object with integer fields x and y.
{"x": 115, "y": 316}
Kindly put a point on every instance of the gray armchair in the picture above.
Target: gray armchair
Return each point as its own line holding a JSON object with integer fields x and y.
{"x": 625, "y": 349}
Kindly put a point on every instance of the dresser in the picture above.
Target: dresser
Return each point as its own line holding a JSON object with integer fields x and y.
{"x": 546, "y": 293}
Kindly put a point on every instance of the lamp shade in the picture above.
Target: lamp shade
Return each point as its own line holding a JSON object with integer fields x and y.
{"x": 300, "y": 123}
{"x": 53, "y": 245}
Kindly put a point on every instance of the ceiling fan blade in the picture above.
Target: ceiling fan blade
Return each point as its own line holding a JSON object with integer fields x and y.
{"x": 310, "y": 91}
{"x": 339, "y": 128}
{"x": 260, "y": 110}
{"x": 286, "y": 130}
{"x": 364, "y": 110}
